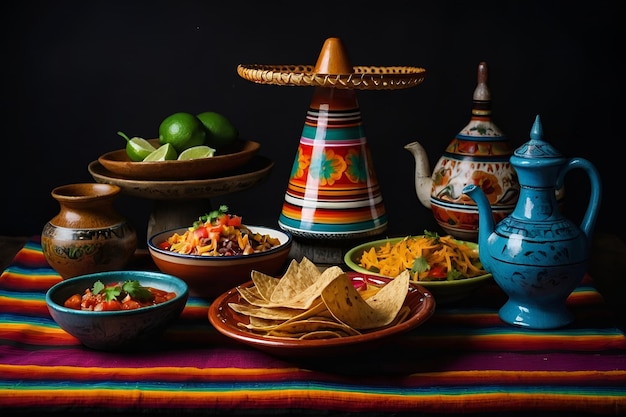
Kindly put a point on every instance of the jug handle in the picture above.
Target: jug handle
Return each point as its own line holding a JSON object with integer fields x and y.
{"x": 589, "y": 219}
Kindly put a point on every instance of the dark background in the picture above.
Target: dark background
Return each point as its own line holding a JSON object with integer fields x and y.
{"x": 77, "y": 72}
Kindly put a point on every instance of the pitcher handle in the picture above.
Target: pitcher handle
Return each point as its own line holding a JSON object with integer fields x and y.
{"x": 589, "y": 219}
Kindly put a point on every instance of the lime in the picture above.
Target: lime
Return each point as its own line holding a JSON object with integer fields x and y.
{"x": 220, "y": 132}
{"x": 163, "y": 153}
{"x": 137, "y": 148}
{"x": 182, "y": 130}
{"x": 196, "y": 152}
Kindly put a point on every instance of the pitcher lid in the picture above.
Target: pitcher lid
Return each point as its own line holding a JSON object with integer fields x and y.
{"x": 536, "y": 147}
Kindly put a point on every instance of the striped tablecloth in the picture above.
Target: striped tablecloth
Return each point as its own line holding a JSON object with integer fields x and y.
{"x": 463, "y": 360}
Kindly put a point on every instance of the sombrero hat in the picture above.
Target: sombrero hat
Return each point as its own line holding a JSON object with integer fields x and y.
{"x": 333, "y": 69}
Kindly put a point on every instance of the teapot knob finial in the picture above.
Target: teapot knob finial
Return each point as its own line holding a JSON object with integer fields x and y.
{"x": 481, "y": 92}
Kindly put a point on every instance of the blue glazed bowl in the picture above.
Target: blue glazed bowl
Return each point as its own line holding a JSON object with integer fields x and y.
{"x": 117, "y": 330}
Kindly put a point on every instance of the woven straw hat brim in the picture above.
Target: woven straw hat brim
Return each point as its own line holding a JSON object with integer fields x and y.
{"x": 363, "y": 78}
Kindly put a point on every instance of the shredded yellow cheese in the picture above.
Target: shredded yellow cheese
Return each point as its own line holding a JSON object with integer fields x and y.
{"x": 457, "y": 259}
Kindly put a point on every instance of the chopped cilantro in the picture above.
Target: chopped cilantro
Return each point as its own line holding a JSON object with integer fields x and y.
{"x": 419, "y": 265}
{"x": 453, "y": 275}
{"x": 434, "y": 235}
{"x": 136, "y": 291}
{"x": 211, "y": 216}
{"x": 110, "y": 292}
{"x": 132, "y": 288}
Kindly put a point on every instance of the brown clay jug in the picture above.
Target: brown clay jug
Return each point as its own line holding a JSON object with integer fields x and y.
{"x": 88, "y": 234}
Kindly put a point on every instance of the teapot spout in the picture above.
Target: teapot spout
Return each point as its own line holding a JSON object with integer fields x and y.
{"x": 423, "y": 176}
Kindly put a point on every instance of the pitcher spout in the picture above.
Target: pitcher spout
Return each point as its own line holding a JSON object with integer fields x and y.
{"x": 486, "y": 224}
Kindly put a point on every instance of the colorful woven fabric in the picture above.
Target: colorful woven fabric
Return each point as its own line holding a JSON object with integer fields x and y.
{"x": 462, "y": 360}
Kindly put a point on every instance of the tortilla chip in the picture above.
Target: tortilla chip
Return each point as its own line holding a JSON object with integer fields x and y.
{"x": 302, "y": 300}
{"x": 310, "y": 325}
{"x": 322, "y": 334}
{"x": 264, "y": 284}
{"x": 306, "y": 298}
{"x": 401, "y": 316}
{"x": 347, "y": 306}
{"x": 318, "y": 308}
{"x": 274, "y": 313}
{"x": 252, "y": 296}
{"x": 260, "y": 324}
{"x": 297, "y": 278}
{"x": 390, "y": 299}
{"x": 308, "y": 304}
{"x": 263, "y": 324}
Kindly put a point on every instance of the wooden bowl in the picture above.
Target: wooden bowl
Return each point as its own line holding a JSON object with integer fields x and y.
{"x": 219, "y": 165}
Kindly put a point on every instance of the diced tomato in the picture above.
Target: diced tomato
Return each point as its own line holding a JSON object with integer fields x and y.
{"x": 73, "y": 302}
{"x": 201, "y": 232}
{"x": 112, "y": 305}
{"x": 221, "y": 220}
{"x": 88, "y": 301}
{"x": 161, "y": 296}
{"x": 437, "y": 271}
{"x": 165, "y": 245}
{"x": 215, "y": 232}
{"x": 130, "y": 304}
{"x": 234, "y": 221}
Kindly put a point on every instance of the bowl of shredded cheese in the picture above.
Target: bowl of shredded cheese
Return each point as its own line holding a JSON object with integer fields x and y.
{"x": 449, "y": 268}
{"x": 218, "y": 252}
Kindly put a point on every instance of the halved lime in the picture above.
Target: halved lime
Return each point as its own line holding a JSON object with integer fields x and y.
{"x": 137, "y": 148}
{"x": 163, "y": 153}
{"x": 196, "y": 152}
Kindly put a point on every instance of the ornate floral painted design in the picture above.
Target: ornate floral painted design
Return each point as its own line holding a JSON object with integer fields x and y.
{"x": 301, "y": 164}
{"x": 327, "y": 168}
{"x": 357, "y": 168}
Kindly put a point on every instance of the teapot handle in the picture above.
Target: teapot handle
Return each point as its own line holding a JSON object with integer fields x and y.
{"x": 588, "y": 222}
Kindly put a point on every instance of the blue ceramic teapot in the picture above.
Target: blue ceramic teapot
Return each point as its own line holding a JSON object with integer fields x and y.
{"x": 536, "y": 255}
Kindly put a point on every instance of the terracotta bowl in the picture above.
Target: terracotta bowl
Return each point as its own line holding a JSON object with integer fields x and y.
{"x": 118, "y": 163}
{"x": 210, "y": 276}
{"x": 228, "y": 322}
{"x": 117, "y": 330}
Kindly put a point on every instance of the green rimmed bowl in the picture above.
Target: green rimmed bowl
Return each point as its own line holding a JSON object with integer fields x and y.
{"x": 444, "y": 292}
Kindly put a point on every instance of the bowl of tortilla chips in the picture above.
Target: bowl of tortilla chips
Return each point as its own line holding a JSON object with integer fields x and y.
{"x": 307, "y": 312}
{"x": 449, "y": 268}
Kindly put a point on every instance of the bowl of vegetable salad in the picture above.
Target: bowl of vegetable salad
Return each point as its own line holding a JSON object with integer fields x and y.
{"x": 218, "y": 252}
{"x": 448, "y": 267}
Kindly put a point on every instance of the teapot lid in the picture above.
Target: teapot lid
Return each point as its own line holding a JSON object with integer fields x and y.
{"x": 536, "y": 148}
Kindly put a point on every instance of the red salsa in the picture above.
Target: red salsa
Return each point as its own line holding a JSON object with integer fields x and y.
{"x": 129, "y": 295}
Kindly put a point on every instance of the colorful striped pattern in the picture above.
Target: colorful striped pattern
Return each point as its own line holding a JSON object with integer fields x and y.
{"x": 333, "y": 190}
{"x": 464, "y": 359}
